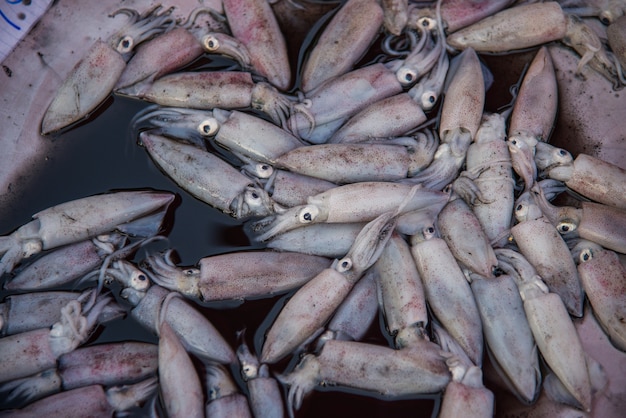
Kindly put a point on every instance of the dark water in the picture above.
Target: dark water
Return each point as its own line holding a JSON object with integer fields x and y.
{"x": 102, "y": 155}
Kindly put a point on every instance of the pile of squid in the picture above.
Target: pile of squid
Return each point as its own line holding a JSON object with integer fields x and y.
{"x": 377, "y": 185}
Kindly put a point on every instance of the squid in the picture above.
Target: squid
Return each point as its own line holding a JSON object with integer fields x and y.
{"x": 314, "y": 303}
{"x": 207, "y": 177}
{"x": 91, "y": 400}
{"x": 604, "y": 279}
{"x": 456, "y": 15}
{"x": 30, "y": 311}
{"x": 448, "y": 293}
{"x": 534, "y": 24}
{"x": 380, "y": 370}
{"x": 541, "y": 244}
{"x": 80, "y": 219}
{"x": 352, "y": 163}
{"x": 34, "y": 351}
{"x": 551, "y": 326}
{"x": 461, "y": 230}
{"x": 66, "y": 264}
{"x": 326, "y": 240}
{"x": 332, "y": 103}
{"x": 343, "y": 42}
{"x": 355, "y": 202}
{"x": 533, "y": 116}
{"x": 224, "y": 399}
{"x": 254, "y": 25}
{"x": 602, "y": 224}
{"x": 175, "y": 49}
{"x": 242, "y": 134}
{"x": 460, "y": 120}
{"x": 194, "y": 331}
{"x": 225, "y": 90}
{"x": 488, "y": 165}
{"x": 179, "y": 382}
{"x": 508, "y": 338}
{"x": 402, "y": 293}
{"x": 591, "y": 177}
{"x": 265, "y": 397}
{"x": 237, "y": 275}
{"x": 93, "y": 78}
{"x": 110, "y": 364}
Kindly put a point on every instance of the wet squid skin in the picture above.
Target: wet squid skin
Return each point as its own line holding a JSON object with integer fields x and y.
{"x": 110, "y": 364}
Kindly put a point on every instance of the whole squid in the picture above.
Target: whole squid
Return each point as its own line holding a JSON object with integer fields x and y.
{"x": 80, "y": 219}
{"x": 94, "y": 77}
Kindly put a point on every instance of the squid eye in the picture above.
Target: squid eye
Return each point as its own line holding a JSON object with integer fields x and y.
{"x": 406, "y": 76}
{"x": 126, "y": 44}
{"x": 211, "y": 43}
{"x": 308, "y": 214}
{"x": 208, "y": 127}
{"x": 427, "y": 23}
{"x": 264, "y": 171}
{"x": 429, "y": 232}
{"x": 565, "y": 227}
{"x": 586, "y": 255}
{"x": 344, "y": 265}
{"x": 428, "y": 100}
{"x": 139, "y": 281}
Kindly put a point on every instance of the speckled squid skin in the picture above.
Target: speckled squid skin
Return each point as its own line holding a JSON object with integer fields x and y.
{"x": 514, "y": 28}
{"x": 540, "y": 242}
{"x": 81, "y": 402}
{"x": 537, "y": 101}
{"x": 318, "y": 298}
{"x": 344, "y": 40}
{"x": 461, "y": 230}
{"x": 108, "y": 364}
{"x": 604, "y": 280}
{"x": 349, "y": 163}
{"x": 598, "y": 180}
{"x": 292, "y": 189}
{"x": 489, "y": 155}
{"x": 25, "y": 354}
{"x": 467, "y": 397}
{"x": 507, "y": 333}
{"x": 559, "y": 344}
{"x": 158, "y": 57}
{"x": 253, "y": 137}
{"x": 401, "y": 289}
{"x": 333, "y": 102}
{"x": 603, "y": 225}
{"x": 253, "y": 23}
{"x": 414, "y": 370}
{"x": 256, "y": 273}
{"x": 179, "y": 383}
{"x": 192, "y": 328}
{"x": 89, "y": 83}
{"x": 202, "y": 90}
{"x": 465, "y": 97}
{"x": 388, "y": 117}
{"x": 616, "y": 34}
{"x": 449, "y": 295}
